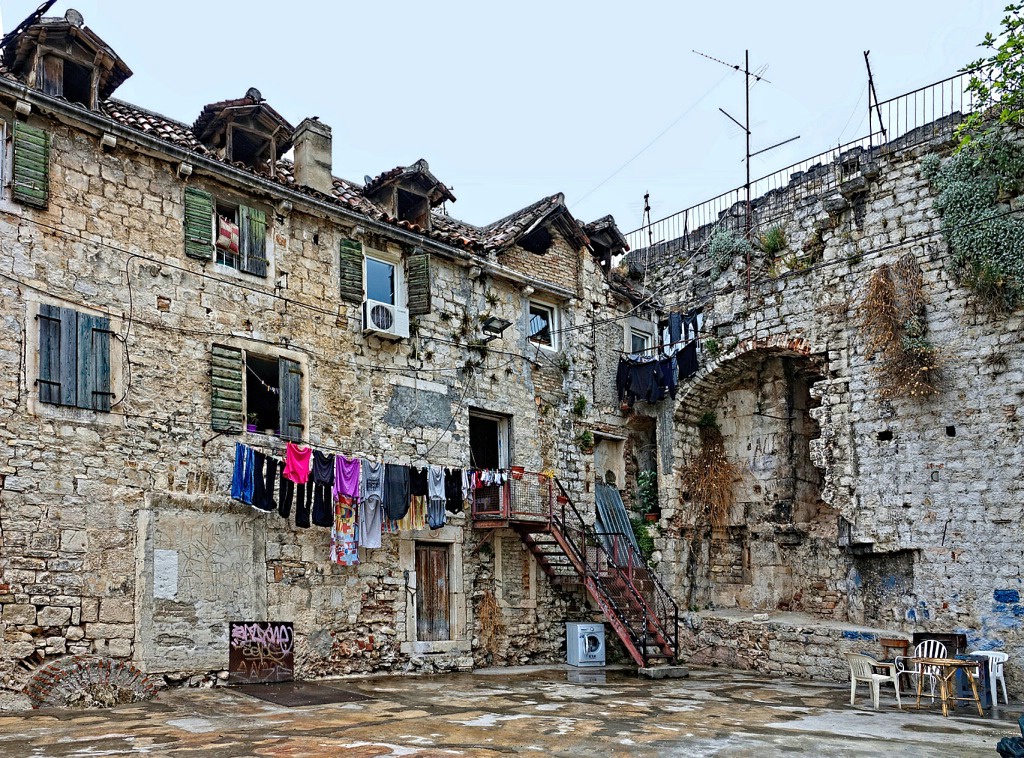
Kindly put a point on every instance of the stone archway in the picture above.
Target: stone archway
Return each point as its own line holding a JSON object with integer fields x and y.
{"x": 777, "y": 548}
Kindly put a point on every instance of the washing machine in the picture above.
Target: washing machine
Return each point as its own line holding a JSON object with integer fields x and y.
{"x": 584, "y": 644}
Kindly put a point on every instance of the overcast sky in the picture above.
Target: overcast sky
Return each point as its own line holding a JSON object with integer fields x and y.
{"x": 510, "y": 102}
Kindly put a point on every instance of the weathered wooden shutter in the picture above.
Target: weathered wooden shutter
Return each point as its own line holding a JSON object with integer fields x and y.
{"x": 252, "y": 232}
{"x": 351, "y": 257}
{"x": 49, "y": 354}
{"x": 290, "y": 387}
{"x": 31, "y": 180}
{"x": 93, "y": 362}
{"x": 51, "y": 75}
{"x": 198, "y": 224}
{"x": 418, "y": 281}
{"x": 226, "y": 367}
{"x": 432, "y": 598}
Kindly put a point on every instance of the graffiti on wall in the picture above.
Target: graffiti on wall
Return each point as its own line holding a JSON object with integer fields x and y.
{"x": 260, "y": 651}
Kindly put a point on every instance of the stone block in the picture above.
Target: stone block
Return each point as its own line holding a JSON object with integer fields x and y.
{"x": 53, "y": 616}
{"x": 90, "y": 609}
{"x": 119, "y": 648}
{"x": 119, "y": 631}
{"x": 18, "y": 614}
{"x": 116, "y": 611}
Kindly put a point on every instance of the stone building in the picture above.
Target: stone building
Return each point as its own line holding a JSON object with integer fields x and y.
{"x": 861, "y": 504}
{"x": 170, "y": 290}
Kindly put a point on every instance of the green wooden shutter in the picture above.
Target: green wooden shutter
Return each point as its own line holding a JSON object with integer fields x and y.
{"x": 31, "y": 179}
{"x": 252, "y": 233}
{"x": 198, "y": 224}
{"x": 93, "y": 362}
{"x": 49, "y": 354}
{"x": 351, "y": 257}
{"x": 226, "y": 367}
{"x": 290, "y": 386}
{"x": 418, "y": 281}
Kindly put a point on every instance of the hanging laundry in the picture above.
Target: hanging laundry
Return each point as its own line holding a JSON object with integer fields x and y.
{"x": 686, "y": 359}
{"x": 436, "y": 496}
{"x": 668, "y": 375}
{"x": 418, "y": 483}
{"x": 296, "y": 463}
{"x": 322, "y": 483}
{"x": 639, "y": 378}
{"x": 284, "y": 503}
{"x": 396, "y": 491}
{"x": 453, "y": 490}
{"x": 344, "y": 540}
{"x": 675, "y": 327}
{"x": 371, "y": 517}
{"x": 264, "y": 500}
{"x": 346, "y": 477}
{"x": 416, "y": 517}
{"x": 303, "y": 505}
{"x": 238, "y": 474}
{"x": 227, "y": 235}
{"x": 260, "y": 500}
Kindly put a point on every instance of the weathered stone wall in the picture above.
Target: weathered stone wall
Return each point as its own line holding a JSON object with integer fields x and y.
{"x": 117, "y": 532}
{"x": 919, "y": 520}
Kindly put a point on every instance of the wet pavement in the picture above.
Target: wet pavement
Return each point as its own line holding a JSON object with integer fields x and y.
{"x": 714, "y": 712}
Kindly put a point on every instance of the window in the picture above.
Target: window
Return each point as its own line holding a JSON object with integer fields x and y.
{"x": 263, "y": 392}
{"x": 381, "y": 279}
{"x": 61, "y": 77}
{"x": 488, "y": 440}
{"x": 74, "y": 359}
{"x": 413, "y": 208}
{"x": 543, "y": 325}
{"x": 233, "y": 235}
{"x": 639, "y": 341}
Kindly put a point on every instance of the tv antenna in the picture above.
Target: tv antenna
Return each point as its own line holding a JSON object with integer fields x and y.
{"x": 745, "y": 126}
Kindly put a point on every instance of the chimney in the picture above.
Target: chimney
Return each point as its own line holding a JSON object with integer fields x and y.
{"x": 312, "y": 142}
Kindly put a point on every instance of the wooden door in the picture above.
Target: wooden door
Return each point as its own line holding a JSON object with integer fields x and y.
{"x": 432, "y": 603}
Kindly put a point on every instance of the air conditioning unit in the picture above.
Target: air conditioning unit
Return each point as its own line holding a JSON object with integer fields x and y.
{"x": 385, "y": 320}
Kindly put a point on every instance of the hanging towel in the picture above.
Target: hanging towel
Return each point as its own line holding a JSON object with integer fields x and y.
{"x": 346, "y": 477}
{"x": 296, "y": 463}
{"x": 344, "y": 540}
{"x": 396, "y": 491}
{"x": 322, "y": 484}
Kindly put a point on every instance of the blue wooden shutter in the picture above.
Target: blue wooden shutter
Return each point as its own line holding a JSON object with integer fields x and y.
{"x": 93, "y": 362}
{"x": 68, "y": 356}
{"x": 351, "y": 260}
{"x": 49, "y": 354}
{"x": 198, "y": 224}
{"x": 226, "y": 367}
{"x": 418, "y": 282}
{"x": 252, "y": 233}
{"x": 31, "y": 179}
{"x": 290, "y": 386}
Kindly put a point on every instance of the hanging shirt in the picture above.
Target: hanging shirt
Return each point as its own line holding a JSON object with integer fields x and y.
{"x": 296, "y": 463}
{"x": 687, "y": 360}
{"x": 372, "y": 480}
{"x": 453, "y": 478}
{"x": 418, "y": 484}
{"x": 371, "y": 517}
{"x": 396, "y": 491}
{"x": 435, "y": 483}
{"x": 346, "y": 477}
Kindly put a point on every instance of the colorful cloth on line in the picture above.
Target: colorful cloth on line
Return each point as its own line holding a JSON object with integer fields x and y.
{"x": 346, "y": 477}
{"x": 296, "y": 463}
{"x": 344, "y": 535}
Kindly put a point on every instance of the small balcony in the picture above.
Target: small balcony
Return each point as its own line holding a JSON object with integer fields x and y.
{"x": 527, "y": 498}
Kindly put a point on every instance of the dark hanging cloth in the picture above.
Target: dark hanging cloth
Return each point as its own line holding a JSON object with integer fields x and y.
{"x": 284, "y": 503}
{"x": 675, "y": 327}
{"x": 453, "y": 489}
{"x": 266, "y": 500}
{"x": 669, "y": 379}
{"x": 419, "y": 484}
{"x": 303, "y": 504}
{"x": 322, "y": 484}
{"x": 261, "y": 481}
{"x": 645, "y": 381}
{"x": 622, "y": 378}
{"x": 396, "y": 491}
{"x": 687, "y": 360}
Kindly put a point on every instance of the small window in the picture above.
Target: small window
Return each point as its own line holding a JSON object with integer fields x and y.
{"x": 381, "y": 279}
{"x": 233, "y": 235}
{"x": 60, "y": 77}
{"x": 262, "y": 394}
{"x": 74, "y": 359}
{"x": 543, "y": 325}
{"x": 271, "y": 401}
{"x": 640, "y": 341}
{"x": 413, "y": 208}
{"x": 226, "y": 236}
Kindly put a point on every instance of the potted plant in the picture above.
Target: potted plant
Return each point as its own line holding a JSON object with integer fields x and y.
{"x": 251, "y": 420}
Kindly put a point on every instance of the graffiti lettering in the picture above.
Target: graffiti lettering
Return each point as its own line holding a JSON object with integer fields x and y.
{"x": 261, "y": 651}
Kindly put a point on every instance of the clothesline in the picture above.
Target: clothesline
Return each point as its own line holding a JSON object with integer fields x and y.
{"x": 681, "y": 343}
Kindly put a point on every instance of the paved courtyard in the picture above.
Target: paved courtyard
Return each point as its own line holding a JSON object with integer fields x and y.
{"x": 714, "y": 712}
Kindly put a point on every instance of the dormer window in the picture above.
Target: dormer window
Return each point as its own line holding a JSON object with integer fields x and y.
{"x": 61, "y": 77}
{"x": 413, "y": 208}
{"x": 246, "y": 130}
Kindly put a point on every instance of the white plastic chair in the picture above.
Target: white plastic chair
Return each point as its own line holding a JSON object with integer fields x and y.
{"x": 927, "y": 649}
{"x": 996, "y": 660}
{"x": 862, "y": 669}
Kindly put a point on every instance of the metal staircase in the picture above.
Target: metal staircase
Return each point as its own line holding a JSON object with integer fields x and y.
{"x": 571, "y": 552}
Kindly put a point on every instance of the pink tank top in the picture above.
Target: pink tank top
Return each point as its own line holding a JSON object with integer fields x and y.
{"x": 296, "y": 463}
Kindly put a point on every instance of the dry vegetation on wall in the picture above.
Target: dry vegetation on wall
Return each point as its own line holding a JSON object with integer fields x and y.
{"x": 708, "y": 477}
{"x": 891, "y": 316}
{"x": 492, "y": 624}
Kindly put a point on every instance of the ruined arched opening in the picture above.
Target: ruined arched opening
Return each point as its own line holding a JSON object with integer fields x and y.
{"x": 773, "y": 545}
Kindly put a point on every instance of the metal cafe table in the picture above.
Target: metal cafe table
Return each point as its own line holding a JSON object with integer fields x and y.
{"x": 945, "y": 673}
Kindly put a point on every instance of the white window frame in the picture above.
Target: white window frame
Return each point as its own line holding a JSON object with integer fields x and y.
{"x": 554, "y": 322}
{"x": 391, "y": 259}
{"x": 647, "y": 337}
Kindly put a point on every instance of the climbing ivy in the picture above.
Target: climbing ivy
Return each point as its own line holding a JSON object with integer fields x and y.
{"x": 975, "y": 187}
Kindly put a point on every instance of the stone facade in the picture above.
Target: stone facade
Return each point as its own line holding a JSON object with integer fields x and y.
{"x": 118, "y": 535}
{"x": 898, "y": 513}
